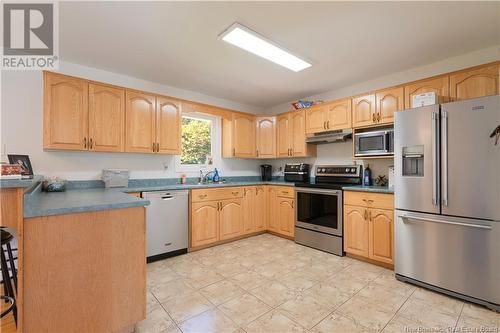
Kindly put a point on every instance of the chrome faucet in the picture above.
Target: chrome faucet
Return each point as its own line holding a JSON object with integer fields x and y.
{"x": 203, "y": 178}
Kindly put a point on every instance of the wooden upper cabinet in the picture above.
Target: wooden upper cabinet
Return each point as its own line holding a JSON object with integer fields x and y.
{"x": 381, "y": 235}
{"x": 388, "y": 101}
{"x": 65, "y": 112}
{"x": 439, "y": 85}
{"x": 140, "y": 134}
{"x": 244, "y": 135}
{"x": 168, "y": 126}
{"x": 230, "y": 219}
{"x": 239, "y": 135}
{"x": 329, "y": 117}
{"x": 266, "y": 137}
{"x": 474, "y": 83}
{"x": 204, "y": 223}
{"x": 338, "y": 115}
{"x": 298, "y": 133}
{"x": 356, "y": 230}
{"x": 316, "y": 118}
{"x": 283, "y": 135}
{"x": 363, "y": 111}
{"x": 106, "y": 118}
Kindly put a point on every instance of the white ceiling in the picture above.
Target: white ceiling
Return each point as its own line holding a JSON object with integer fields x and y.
{"x": 175, "y": 43}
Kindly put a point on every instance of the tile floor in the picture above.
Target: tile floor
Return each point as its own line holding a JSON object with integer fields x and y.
{"x": 268, "y": 284}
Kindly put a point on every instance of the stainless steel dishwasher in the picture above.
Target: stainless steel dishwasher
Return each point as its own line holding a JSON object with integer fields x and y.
{"x": 166, "y": 223}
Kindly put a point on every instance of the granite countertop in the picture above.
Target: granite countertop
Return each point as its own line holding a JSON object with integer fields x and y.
{"x": 84, "y": 196}
{"x": 77, "y": 201}
{"x": 374, "y": 188}
{"x": 25, "y": 182}
{"x": 171, "y": 187}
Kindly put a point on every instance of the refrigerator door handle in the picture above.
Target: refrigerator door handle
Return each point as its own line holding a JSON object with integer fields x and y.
{"x": 435, "y": 158}
{"x": 425, "y": 219}
{"x": 445, "y": 155}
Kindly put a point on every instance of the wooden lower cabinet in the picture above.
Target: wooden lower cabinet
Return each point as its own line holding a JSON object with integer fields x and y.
{"x": 368, "y": 229}
{"x": 222, "y": 214}
{"x": 281, "y": 211}
{"x": 380, "y": 235}
{"x": 286, "y": 216}
{"x": 248, "y": 206}
{"x": 355, "y": 230}
{"x": 272, "y": 199}
{"x": 230, "y": 219}
{"x": 204, "y": 223}
{"x": 260, "y": 209}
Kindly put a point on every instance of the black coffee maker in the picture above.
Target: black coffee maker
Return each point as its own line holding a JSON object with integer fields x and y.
{"x": 266, "y": 172}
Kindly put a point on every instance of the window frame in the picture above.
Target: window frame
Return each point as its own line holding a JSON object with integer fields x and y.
{"x": 188, "y": 168}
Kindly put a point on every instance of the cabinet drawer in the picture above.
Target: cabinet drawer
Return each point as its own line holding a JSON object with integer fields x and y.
{"x": 368, "y": 199}
{"x": 285, "y": 192}
{"x": 211, "y": 194}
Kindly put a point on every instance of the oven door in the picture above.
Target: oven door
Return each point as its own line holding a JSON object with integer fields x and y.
{"x": 373, "y": 143}
{"x": 319, "y": 210}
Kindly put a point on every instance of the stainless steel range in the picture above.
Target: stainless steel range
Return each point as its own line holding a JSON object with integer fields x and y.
{"x": 318, "y": 216}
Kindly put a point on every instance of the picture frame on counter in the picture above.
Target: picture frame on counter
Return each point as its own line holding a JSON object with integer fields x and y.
{"x": 24, "y": 162}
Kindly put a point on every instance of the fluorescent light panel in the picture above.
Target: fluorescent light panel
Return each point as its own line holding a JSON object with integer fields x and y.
{"x": 250, "y": 41}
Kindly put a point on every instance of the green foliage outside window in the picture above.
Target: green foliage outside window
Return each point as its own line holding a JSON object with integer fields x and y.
{"x": 196, "y": 140}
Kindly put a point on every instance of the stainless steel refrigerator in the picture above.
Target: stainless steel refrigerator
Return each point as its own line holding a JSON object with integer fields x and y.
{"x": 447, "y": 198}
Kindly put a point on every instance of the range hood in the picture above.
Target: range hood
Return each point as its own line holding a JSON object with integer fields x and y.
{"x": 329, "y": 137}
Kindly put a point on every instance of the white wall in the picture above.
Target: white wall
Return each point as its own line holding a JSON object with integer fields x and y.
{"x": 22, "y": 125}
{"x": 471, "y": 59}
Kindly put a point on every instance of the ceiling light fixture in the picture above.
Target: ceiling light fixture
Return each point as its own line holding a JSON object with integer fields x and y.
{"x": 252, "y": 42}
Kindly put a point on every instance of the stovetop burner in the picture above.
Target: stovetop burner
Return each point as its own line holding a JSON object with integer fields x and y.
{"x": 321, "y": 185}
{"x": 335, "y": 177}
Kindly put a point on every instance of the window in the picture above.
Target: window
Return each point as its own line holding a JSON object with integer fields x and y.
{"x": 196, "y": 141}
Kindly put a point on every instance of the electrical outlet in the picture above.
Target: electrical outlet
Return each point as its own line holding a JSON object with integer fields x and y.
{"x": 165, "y": 166}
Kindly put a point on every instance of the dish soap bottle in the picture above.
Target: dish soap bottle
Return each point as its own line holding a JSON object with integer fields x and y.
{"x": 367, "y": 176}
{"x": 216, "y": 176}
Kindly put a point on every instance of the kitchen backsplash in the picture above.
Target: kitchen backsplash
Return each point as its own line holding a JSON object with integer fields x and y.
{"x": 335, "y": 153}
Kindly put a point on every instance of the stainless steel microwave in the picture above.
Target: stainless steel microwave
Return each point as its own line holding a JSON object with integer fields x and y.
{"x": 374, "y": 143}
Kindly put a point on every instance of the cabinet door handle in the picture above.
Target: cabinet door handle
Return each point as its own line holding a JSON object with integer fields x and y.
{"x": 324, "y": 125}
{"x": 235, "y": 193}
{"x": 85, "y": 143}
{"x": 157, "y": 147}
{"x": 328, "y": 124}
{"x": 234, "y": 151}
{"x": 374, "y": 117}
{"x": 366, "y": 214}
{"x": 368, "y": 201}
{"x": 153, "y": 147}
{"x": 257, "y": 152}
{"x": 291, "y": 151}
{"x": 90, "y": 143}
{"x": 378, "y": 117}
{"x": 202, "y": 196}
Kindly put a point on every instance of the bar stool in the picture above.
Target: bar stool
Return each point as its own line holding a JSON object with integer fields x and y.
{"x": 6, "y": 238}
{"x": 10, "y": 308}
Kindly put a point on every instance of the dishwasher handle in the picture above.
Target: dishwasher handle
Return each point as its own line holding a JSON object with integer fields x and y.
{"x": 167, "y": 197}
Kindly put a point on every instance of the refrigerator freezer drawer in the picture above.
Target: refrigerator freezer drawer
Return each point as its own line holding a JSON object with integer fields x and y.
{"x": 460, "y": 255}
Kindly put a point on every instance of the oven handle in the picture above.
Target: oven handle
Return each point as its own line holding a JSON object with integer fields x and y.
{"x": 319, "y": 191}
